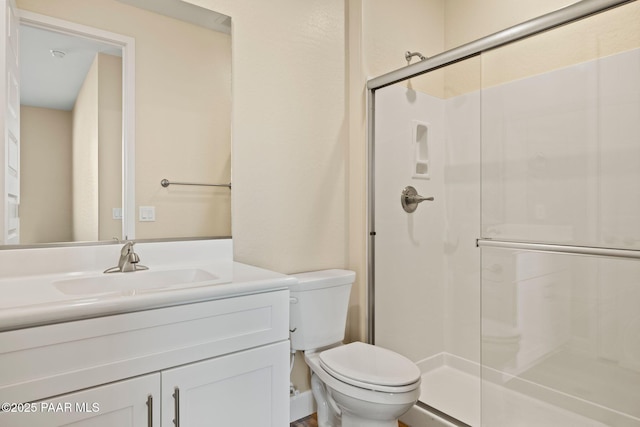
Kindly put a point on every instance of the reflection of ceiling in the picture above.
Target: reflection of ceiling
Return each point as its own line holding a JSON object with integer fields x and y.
{"x": 186, "y": 12}
{"x": 50, "y": 82}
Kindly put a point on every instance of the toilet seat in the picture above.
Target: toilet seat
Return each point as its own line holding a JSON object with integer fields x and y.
{"x": 370, "y": 367}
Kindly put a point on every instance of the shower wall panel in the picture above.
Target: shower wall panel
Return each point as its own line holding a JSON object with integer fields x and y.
{"x": 409, "y": 276}
{"x": 427, "y": 263}
{"x": 561, "y": 155}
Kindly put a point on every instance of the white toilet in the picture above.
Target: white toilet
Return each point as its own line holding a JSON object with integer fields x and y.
{"x": 354, "y": 385}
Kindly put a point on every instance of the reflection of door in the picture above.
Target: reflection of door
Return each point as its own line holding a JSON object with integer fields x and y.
{"x": 11, "y": 95}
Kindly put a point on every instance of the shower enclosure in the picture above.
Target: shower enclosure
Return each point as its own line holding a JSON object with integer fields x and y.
{"x": 516, "y": 289}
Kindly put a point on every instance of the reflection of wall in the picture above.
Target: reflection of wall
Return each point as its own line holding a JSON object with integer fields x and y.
{"x": 85, "y": 159}
{"x": 45, "y": 153}
{"x": 97, "y": 148}
{"x": 110, "y": 144}
{"x": 182, "y": 96}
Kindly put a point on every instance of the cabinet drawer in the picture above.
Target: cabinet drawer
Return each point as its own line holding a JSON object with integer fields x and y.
{"x": 55, "y": 359}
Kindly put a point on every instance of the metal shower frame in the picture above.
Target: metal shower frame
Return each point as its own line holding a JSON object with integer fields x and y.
{"x": 534, "y": 26}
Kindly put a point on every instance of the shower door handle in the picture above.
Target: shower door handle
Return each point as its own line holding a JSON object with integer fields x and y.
{"x": 410, "y": 199}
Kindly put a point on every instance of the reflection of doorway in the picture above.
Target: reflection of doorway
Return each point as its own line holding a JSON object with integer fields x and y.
{"x": 71, "y": 120}
{"x": 72, "y": 70}
{"x": 11, "y": 147}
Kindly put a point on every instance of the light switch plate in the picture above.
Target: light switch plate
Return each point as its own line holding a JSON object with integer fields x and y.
{"x": 147, "y": 213}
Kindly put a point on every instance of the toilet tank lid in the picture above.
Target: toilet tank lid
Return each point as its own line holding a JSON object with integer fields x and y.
{"x": 322, "y": 279}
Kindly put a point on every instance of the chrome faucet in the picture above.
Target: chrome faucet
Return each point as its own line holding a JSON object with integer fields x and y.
{"x": 129, "y": 260}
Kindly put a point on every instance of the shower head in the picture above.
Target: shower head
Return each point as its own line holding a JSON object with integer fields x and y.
{"x": 408, "y": 55}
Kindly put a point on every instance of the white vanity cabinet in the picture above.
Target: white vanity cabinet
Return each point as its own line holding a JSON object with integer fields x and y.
{"x": 222, "y": 362}
{"x": 234, "y": 390}
{"x": 128, "y": 403}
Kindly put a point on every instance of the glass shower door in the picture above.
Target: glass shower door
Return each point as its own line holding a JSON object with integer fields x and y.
{"x": 560, "y": 242}
{"x": 427, "y": 292}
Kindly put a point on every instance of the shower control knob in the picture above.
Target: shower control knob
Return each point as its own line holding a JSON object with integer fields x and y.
{"x": 410, "y": 199}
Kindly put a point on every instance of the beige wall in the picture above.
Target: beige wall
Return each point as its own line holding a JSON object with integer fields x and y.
{"x": 85, "y": 159}
{"x": 45, "y": 175}
{"x": 289, "y": 132}
{"x": 468, "y": 20}
{"x": 601, "y": 35}
{"x": 379, "y": 34}
{"x": 290, "y": 135}
{"x": 390, "y": 28}
{"x": 594, "y": 37}
{"x": 182, "y": 104}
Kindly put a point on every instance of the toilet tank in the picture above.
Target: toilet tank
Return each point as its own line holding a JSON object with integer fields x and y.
{"x": 318, "y": 309}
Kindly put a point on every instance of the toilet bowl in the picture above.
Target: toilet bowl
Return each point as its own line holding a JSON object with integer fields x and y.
{"x": 500, "y": 344}
{"x": 356, "y": 384}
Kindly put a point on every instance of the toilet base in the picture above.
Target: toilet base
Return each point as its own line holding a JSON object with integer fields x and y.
{"x": 352, "y": 421}
{"x": 367, "y": 414}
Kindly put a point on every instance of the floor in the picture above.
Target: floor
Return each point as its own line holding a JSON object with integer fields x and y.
{"x": 311, "y": 421}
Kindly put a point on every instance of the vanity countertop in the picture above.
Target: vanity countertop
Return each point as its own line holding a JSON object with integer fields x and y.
{"x": 45, "y": 297}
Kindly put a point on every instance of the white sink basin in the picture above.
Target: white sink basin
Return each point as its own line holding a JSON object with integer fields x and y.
{"x": 133, "y": 282}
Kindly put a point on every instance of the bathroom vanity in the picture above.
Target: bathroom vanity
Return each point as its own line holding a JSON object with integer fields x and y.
{"x": 213, "y": 351}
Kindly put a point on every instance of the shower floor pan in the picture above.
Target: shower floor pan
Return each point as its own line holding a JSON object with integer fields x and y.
{"x": 452, "y": 386}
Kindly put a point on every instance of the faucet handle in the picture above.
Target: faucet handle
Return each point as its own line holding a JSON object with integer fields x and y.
{"x": 127, "y": 248}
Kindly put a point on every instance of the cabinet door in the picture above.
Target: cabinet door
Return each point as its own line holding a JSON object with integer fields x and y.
{"x": 132, "y": 403}
{"x": 249, "y": 388}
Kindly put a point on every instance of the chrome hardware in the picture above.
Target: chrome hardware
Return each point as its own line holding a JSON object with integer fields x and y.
{"x": 176, "y": 406}
{"x": 129, "y": 260}
{"x": 408, "y": 55}
{"x": 165, "y": 183}
{"x": 150, "y": 411}
{"x": 410, "y": 199}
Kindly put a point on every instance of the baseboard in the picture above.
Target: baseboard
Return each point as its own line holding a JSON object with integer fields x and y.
{"x": 301, "y": 405}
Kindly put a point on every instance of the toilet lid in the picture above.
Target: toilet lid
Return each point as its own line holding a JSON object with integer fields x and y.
{"x": 371, "y": 367}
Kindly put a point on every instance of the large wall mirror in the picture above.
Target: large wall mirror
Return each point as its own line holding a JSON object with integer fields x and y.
{"x": 78, "y": 181}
